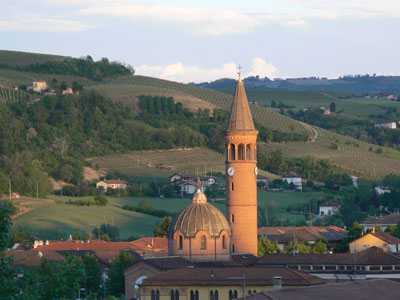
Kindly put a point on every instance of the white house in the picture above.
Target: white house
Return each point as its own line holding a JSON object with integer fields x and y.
{"x": 112, "y": 184}
{"x": 295, "y": 179}
{"x": 386, "y": 124}
{"x": 380, "y": 190}
{"x": 179, "y": 178}
{"x": 39, "y": 86}
{"x": 189, "y": 188}
{"x": 329, "y": 209}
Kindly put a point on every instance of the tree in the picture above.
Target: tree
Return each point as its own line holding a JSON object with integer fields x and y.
{"x": 92, "y": 273}
{"x": 332, "y": 107}
{"x": 162, "y": 227}
{"x": 265, "y": 246}
{"x": 116, "y": 277}
{"x": 107, "y": 231}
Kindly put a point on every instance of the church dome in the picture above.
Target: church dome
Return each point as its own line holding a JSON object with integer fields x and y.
{"x": 199, "y": 216}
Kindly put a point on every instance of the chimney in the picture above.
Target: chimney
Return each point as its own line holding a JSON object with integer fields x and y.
{"x": 277, "y": 281}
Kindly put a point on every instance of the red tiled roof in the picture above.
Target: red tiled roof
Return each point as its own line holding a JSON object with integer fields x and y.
{"x": 330, "y": 203}
{"x": 359, "y": 290}
{"x": 159, "y": 244}
{"x": 382, "y": 220}
{"x": 370, "y": 256}
{"x": 231, "y": 276}
{"x": 390, "y": 239}
{"x": 115, "y": 181}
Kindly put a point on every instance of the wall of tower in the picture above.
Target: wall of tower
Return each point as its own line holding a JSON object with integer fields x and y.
{"x": 242, "y": 191}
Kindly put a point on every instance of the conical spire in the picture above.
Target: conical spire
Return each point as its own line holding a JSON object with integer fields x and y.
{"x": 240, "y": 118}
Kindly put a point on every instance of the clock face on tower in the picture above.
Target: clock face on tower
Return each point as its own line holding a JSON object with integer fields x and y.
{"x": 230, "y": 171}
{"x": 256, "y": 171}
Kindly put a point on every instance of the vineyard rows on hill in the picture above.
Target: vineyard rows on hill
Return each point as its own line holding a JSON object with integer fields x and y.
{"x": 196, "y": 161}
{"x": 14, "y": 58}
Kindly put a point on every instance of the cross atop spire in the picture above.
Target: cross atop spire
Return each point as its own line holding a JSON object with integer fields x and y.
{"x": 239, "y": 68}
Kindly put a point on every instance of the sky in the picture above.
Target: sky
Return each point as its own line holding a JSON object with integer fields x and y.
{"x": 197, "y": 41}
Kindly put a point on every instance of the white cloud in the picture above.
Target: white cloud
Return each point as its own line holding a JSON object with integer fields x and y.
{"x": 193, "y": 73}
{"x": 33, "y": 22}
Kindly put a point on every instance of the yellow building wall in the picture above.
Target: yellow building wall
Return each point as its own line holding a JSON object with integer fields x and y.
{"x": 204, "y": 291}
{"x": 367, "y": 240}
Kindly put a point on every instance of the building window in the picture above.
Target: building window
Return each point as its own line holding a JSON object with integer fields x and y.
{"x": 241, "y": 152}
{"x": 255, "y": 292}
{"x": 248, "y": 152}
{"x": 212, "y": 295}
{"x": 191, "y": 295}
{"x": 232, "y": 151}
{"x": 153, "y": 295}
{"x": 249, "y": 292}
{"x": 232, "y": 187}
{"x": 176, "y": 295}
{"x": 232, "y": 218}
{"x": 157, "y": 295}
{"x": 230, "y": 295}
{"x": 233, "y": 248}
{"x": 235, "y": 295}
{"x": 196, "y": 295}
{"x": 223, "y": 242}
{"x": 180, "y": 242}
{"x": 172, "y": 295}
{"x": 203, "y": 242}
{"x": 216, "y": 295}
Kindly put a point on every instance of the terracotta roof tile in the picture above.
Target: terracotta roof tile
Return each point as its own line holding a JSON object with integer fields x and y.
{"x": 229, "y": 276}
{"x": 359, "y": 290}
{"x": 383, "y": 220}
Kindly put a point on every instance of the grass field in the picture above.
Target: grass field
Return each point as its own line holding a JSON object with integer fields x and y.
{"x": 56, "y": 220}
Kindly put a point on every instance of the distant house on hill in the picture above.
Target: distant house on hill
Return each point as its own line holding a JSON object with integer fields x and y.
{"x": 295, "y": 179}
{"x": 383, "y": 221}
{"x": 381, "y": 240}
{"x": 68, "y": 91}
{"x": 39, "y": 86}
{"x": 387, "y": 96}
{"x": 386, "y": 124}
{"x": 14, "y": 195}
{"x": 262, "y": 180}
{"x": 380, "y": 190}
{"x": 181, "y": 178}
{"x": 328, "y": 209}
{"x": 112, "y": 184}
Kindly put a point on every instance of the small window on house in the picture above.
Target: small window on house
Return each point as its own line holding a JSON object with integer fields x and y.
{"x": 241, "y": 152}
{"x": 191, "y": 295}
{"x": 153, "y": 295}
{"x": 203, "y": 242}
{"x": 232, "y": 218}
{"x": 233, "y": 248}
{"x": 223, "y": 242}
{"x": 254, "y": 292}
{"x": 180, "y": 242}
{"x": 230, "y": 295}
{"x": 248, "y": 152}
{"x": 232, "y": 153}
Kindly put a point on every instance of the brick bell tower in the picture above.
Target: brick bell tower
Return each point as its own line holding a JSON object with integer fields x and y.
{"x": 241, "y": 174}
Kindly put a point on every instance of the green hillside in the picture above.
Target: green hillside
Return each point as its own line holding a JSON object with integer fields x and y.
{"x": 350, "y": 154}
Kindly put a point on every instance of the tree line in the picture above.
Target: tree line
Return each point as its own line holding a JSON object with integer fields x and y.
{"x": 83, "y": 67}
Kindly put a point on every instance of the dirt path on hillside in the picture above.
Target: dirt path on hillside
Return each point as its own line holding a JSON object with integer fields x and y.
{"x": 314, "y": 132}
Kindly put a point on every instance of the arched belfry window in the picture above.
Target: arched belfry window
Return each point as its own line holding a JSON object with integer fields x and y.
{"x": 203, "y": 242}
{"x": 180, "y": 242}
{"x": 223, "y": 242}
{"x": 241, "y": 152}
{"x": 248, "y": 152}
{"x": 232, "y": 152}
